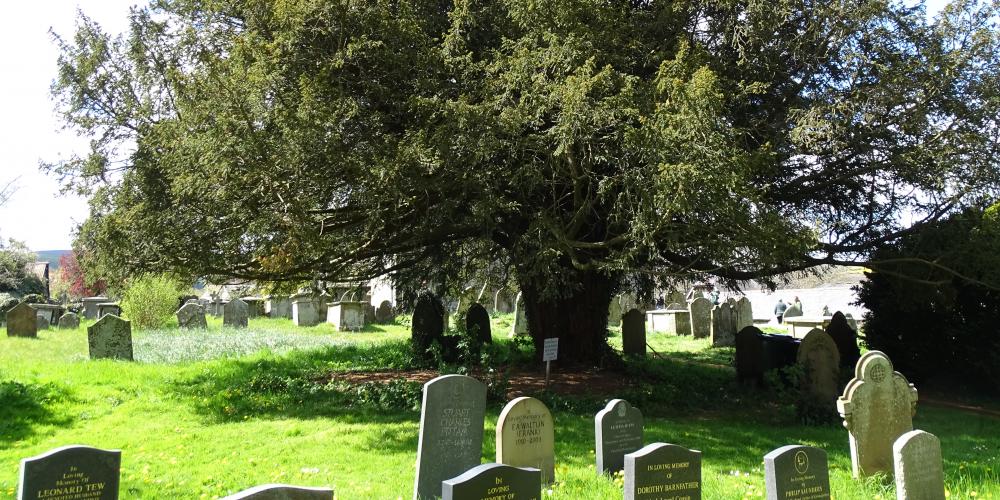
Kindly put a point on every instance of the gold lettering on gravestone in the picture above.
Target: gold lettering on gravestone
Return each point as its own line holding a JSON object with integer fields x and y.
{"x": 73, "y": 485}
{"x": 667, "y": 470}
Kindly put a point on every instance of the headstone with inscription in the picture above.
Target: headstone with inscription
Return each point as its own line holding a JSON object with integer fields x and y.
{"x": 820, "y": 360}
{"x": 634, "y": 333}
{"x": 477, "y": 323}
{"x": 110, "y": 337}
{"x": 71, "y": 473}
{"x": 701, "y": 317}
{"x": 22, "y": 321}
{"x": 494, "y": 482}
{"x": 877, "y": 406}
{"x": 662, "y": 470}
{"x": 451, "y": 432}
{"x": 191, "y": 315}
{"x": 917, "y": 464}
{"x": 282, "y": 492}
{"x": 235, "y": 314}
{"x": 845, "y": 337}
{"x": 385, "y": 313}
{"x": 796, "y": 472}
{"x": 526, "y": 437}
{"x": 723, "y": 325}
{"x": 617, "y": 430}
{"x": 69, "y": 321}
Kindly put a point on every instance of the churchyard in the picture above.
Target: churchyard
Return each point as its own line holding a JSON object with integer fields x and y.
{"x": 208, "y": 413}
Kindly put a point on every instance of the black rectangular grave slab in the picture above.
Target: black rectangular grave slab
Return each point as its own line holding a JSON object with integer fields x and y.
{"x": 797, "y": 473}
{"x": 663, "y": 471}
{"x": 71, "y": 473}
{"x": 494, "y": 482}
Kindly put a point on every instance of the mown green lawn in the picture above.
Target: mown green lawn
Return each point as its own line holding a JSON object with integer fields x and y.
{"x": 205, "y": 414}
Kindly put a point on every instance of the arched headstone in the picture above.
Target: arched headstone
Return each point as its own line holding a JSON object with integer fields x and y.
{"x": 477, "y": 323}
{"x": 235, "y": 314}
{"x": 846, "y": 339}
{"x": 525, "y": 437}
{"x": 701, "y": 317}
{"x": 428, "y": 323}
{"x": 820, "y": 361}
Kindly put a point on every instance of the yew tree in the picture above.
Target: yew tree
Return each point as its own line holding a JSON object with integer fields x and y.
{"x": 585, "y": 145}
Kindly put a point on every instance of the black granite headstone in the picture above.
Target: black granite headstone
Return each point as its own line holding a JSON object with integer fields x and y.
{"x": 797, "y": 473}
{"x": 634, "y": 333}
{"x": 750, "y": 355}
{"x": 617, "y": 430}
{"x": 70, "y": 473}
{"x": 494, "y": 481}
{"x": 661, "y": 470}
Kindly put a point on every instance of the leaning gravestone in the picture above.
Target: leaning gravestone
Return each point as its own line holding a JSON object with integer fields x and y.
{"x": 750, "y": 355}
{"x": 820, "y": 360}
{"x": 797, "y": 473}
{"x": 660, "y": 471}
{"x": 451, "y": 432}
{"x": 22, "y": 321}
{"x": 235, "y": 314}
{"x": 917, "y": 463}
{"x": 526, "y": 437}
{"x": 191, "y": 315}
{"x": 723, "y": 325}
{"x": 41, "y": 322}
{"x": 282, "y": 492}
{"x": 701, "y": 317}
{"x": 617, "y": 431}
{"x": 110, "y": 337}
{"x": 477, "y": 323}
{"x": 634, "y": 333}
{"x": 877, "y": 406}
{"x": 69, "y": 321}
{"x": 845, "y": 337}
{"x": 494, "y": 482}
{"x": 427, "y": 324}
{"x": 614, "y": 312}
{"x": 385, "y": 314}
{"x": 70, "y": 473}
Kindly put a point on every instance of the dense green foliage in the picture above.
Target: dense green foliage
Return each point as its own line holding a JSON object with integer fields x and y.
{"x": 15, "y": 269}
{"x": 150, "y": 300}
{"x": 579, "y": 146}
{"x": 943, "y": 324}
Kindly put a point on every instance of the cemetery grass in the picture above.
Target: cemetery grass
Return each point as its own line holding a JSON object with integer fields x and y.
{"x": 205, "y": 414}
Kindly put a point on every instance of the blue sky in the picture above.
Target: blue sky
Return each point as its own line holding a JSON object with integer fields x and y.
{"x": 29, "y": 129}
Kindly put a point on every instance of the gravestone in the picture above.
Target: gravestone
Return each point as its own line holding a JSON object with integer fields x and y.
{"x": 110, "y": 337}
{"x": 71, "y": 472}
{"x": 525, "y": 437}
{"x": 346, "y": 316}
{"x": 427, "y": 324}
{"x": 614, "y": 313}
{"x": 69, "y": 321}
{"x": 820, "y": 361}
{"x": 235, "y": 314}
{"x": 877, "y": 406}
{"x": 477, "y": 323}
{"x": 41, "y": 322}
{"x": 282, "y": 492}
{"x": 22, "y": 321}
{"x": 278, "y": 306}
{"x": 723, "y": 326}
{"x": 701, "y": 317}
{"x": 494, "y": 482}
{"x": 634, "y": 333}
{"x": 792, "y": 311}
{"x": 90, "y": 306}
{"x": 385, "y": 313}
{"x": 917, "y": 464}
{"x": 520, "y": 326}
{"x": 191, "y": 315}
{"x": 744, "y": 313}
{"x": 304, "y": 312}
{"x": 661, "y": 470}
{"x": 617, "y": 431}
{"x": 750, "y": 355}
{"x": 846, "y": 339}
{"x": 797, "y": 473}
{"x": 369, "y": 313}
{"x": 451, "y": 431}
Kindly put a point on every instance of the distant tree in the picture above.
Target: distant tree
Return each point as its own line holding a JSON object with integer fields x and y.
{"x": 16, "y": 274}
{"x": 585, "y": 145}
{"x": 77, "y": 283}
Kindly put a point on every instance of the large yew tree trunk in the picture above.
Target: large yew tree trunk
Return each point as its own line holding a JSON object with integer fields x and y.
{"x": 578, "y": 315}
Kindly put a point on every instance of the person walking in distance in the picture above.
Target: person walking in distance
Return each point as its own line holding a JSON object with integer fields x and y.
{"x": 779, "y": 310}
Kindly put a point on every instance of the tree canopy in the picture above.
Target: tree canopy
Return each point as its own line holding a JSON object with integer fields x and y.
{"x": 584, "y": 145}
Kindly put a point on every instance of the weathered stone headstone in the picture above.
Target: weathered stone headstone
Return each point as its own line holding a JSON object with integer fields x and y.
{"x": 71, "y": 472}
{"x": 662, "y": 470}
{"x": 110, "y": 337}
{"x": 526, "y": 437}
{"x": 451, "y": 431}
{"x": 878, "y": 405}
{"x": 701, "y": 317}
{"x": 346, "y": 316}
{"x": 917, "y": 464}
{"x": 750, "y": 355}
{"x": 304, "y": 312}
{"x": 744, "y": 313}
{"x": 191, "y": 315}
{"x": 22, "y": 321}
{"x": 820, "y": 361}
{"x": 69, "y": 321}
{"x": 797, "y": 473}
{"x": 41, "y": 322}
{"x": 282, "y": 492}
{"x": 846, "y": 339}
{"x": 477, "y": 323}
{"x": 90, "y": 306}
{"x": 617, "y": 431}
{"x": 614, "y": 313}
{"x": 278, "y": 306}
{"x": 723, "y": 326}
{"x": 634, "y": 333}
{"x": 427, "y": 324}
{"x": 235, "y": 314}
{"x": 494, "y": 482}
{"x": 385, "y": 313}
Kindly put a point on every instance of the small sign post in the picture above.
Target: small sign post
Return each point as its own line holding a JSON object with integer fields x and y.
{"x": 549, "y": 354}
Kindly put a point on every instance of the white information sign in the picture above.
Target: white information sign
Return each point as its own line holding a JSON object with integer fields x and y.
{"x": 551, "y": 349}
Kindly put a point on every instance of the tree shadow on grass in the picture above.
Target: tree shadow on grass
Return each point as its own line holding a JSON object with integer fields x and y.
{"x": 25, "y": 407}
